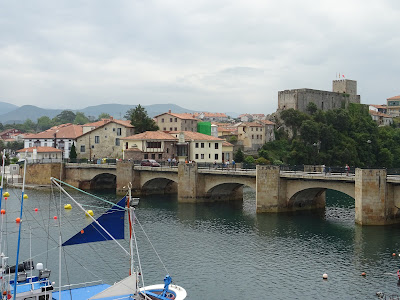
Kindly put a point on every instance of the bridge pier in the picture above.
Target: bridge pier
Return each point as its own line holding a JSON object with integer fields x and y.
{"x": 126, "y": 175}
{"x": 374, "y": 198}
{"x": 188, "y": 183}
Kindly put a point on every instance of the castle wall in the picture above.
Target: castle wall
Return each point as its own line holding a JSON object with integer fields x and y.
{"x": 299, "y": 99}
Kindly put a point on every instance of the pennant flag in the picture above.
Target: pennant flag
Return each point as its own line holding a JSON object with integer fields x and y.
{"x": 112, "y": 221}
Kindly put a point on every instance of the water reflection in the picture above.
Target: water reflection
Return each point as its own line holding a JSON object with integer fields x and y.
{"x": 220, "y": 250}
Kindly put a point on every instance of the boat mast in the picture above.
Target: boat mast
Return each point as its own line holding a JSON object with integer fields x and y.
{"x": 19, "y": 230}
{"x": 1, "y": 198}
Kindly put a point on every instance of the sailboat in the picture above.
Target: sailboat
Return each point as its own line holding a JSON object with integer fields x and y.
{"x": 108, "y": 227}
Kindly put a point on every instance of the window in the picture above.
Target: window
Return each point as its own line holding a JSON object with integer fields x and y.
{"x": 176, "y": 129}
{"x": 216, "y": 145}
{"x": 252, "y": 128}
{"x": 165, "y": 129}
{"x": 197, "y": 145}
{"x": 202, "y": 145}
{"x": 96, "y": 139}
{"x": 202, "y": 156}
{"x": 170, "y": 129}
{"x": 105, "y": 128}
{"x": 209, "y": 155}
{"x": 209, "y": 145}
{"x": 196, "y": 156}
{"x": 154, "y": 145}
{"x": 92, "y": 146}
{"x": 117, "y": 142}
{"x": 176, "y": 119}
{"x": 45, "y": 144}
{"x": 162, "y": 120}
{"x": 170, "y": 119}
{"x": 216, "y": 156}
{"x": 119, "y": 131}
{"x": 167, "y": 150}
{"x": 252, "y": 136}
{"x": 146, "y": 156}
{"x": 159, "y": 156}
{"x": 113, "y": 129}
{"x": 257, "y": 129}
{"x": 30, "y": 145}
{"x": 43, "y": 297}
{"x": 126, "y": 145}
{"x": 153, "y": 156}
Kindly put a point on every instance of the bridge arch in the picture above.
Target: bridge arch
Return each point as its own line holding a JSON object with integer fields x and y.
{"x": 103, "y": 181}
{"x": 159, "y": 185}
{"x": 311, "y": 194}
{"x": 227, "y": 188}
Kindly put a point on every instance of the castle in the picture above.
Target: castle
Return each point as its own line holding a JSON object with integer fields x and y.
{"x": 344, "y": 91}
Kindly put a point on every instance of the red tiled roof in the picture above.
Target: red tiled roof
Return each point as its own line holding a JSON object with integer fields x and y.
{"x": 185, "y": 116}
{"x": 151, "y": 135}
{"x": 378, "y": 106}
{"x": 64, "y": 131}
{"x": 40, "y": 149}
{"x": 227, "y": 144}
{"x": 377, "y": 113}
{"x": 267, "y": 122}
{"x": 196, "y": 136}
{"x": 250, "y": 124}
{"x": 102, "y": 122}
{"x": 394, "y": 98}
{"x": 211, "y": 115}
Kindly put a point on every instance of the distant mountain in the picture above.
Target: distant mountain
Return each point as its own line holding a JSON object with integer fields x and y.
{"x": 6, "y": 107}
{"x": 118, "y": 111}
{"x": 21, "y": 114}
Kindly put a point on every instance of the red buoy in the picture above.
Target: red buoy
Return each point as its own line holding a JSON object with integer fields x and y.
{"x": 36, "y": 209}
{"x": 17, "y": 220}
{"x": 5, "y": 198}
{"x": 55, "y": 217}
{"x": 3, "y": 211}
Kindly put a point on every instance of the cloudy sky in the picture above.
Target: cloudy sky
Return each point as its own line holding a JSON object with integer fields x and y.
{"x": 208, "y": 55}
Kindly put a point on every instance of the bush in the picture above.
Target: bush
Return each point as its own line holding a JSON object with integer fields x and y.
{"x": 249, "y": 160}
{"x": 262, "y": 161}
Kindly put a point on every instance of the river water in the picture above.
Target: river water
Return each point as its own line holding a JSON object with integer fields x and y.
{"x": 219, "y": 250}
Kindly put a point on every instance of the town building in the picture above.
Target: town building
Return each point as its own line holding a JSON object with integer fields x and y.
{"x": 380, "y": 118}
{"x": 252, "y": 135}
{"x": 393, "y": 106}
{"x": 38, "y": 154}
{"x": 212, "y": 117}
{"x": 344, "y": 92}
{"x": 176, "y": 122}
{"x": 203, "y": 148}
{"x": 60, "y": 137}
{"x": 9, "y": 134}
{"x": 156, "y": 145}
{"x": 102, "y": 139}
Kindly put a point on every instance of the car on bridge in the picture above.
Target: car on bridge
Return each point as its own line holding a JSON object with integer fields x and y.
{"x": 149, "y": 163}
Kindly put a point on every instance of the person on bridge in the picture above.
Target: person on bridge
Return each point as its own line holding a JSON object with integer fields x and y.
{"x": 347, "y": 168}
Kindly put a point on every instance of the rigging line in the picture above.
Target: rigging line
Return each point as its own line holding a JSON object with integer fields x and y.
{"x": 94, "y": 196}
{"x": 165, "y": 268}
{"x": 136, "y": 246}
{"x": 94, "y": 249}
{"x": 65, "y": 192}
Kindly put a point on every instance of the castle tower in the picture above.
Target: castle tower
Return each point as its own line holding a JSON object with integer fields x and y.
{"x": 346, "y": 86}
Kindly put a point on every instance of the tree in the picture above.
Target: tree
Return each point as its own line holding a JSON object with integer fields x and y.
{"x": 140, "y": 120}
{"x": 66, "y": 116}
{"x": 72, "y": 153}
{"x": 239, "y": 156}
{"x": 29, "y": 125}
{"x": 44, "y": 123}
{"x": 311, "y": 108}
{"x": 80, "y": 118}
{"x": 103, "y": 116}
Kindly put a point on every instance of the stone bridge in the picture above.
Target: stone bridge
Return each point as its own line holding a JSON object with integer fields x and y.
{"x": 377, "y": 197}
